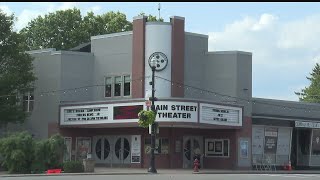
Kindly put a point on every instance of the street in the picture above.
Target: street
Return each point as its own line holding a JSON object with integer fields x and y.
{"x": 174, "y": 177}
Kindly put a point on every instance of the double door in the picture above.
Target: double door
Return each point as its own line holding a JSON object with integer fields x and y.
{"x": 113, "y": 150}
{"x": 192, "y": 147}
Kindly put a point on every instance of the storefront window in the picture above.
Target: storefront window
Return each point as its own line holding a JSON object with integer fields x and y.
{"x": 162, "y": 146}
{"x": 217, "y": 147}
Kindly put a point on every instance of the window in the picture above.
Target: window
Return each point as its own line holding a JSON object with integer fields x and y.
{"x": 217, "y": 147}
{"x": 126, "y": 91}
{"x": 108, "y": 87}
{"x": 162, "y": 146}
{"x": 117, "y": 86}
{"x": 28, "y": 101}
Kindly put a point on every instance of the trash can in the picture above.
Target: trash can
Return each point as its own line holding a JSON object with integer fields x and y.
{"x": 88, "y": 164}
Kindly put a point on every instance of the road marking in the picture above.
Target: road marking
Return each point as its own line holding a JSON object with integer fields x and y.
{"x": 308, "y": 175}
{"x": 289, "y": 176}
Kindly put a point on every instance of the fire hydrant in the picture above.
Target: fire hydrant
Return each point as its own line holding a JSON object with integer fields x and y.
{"x": 196, "y": 165}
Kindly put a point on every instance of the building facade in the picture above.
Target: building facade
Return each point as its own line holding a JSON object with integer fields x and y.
{"x": 92, "y": 94}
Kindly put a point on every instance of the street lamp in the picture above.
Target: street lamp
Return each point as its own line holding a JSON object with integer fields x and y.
{"x": 152, "y": 168}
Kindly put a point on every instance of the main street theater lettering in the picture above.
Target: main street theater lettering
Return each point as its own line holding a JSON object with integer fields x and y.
{"x": 176, "y": 111}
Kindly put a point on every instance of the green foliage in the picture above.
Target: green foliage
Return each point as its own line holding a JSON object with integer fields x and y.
{"x": 22, "y": 154}
{"x": 48, "y": 154}
{"x": 73, "y": 167}
{"x": 151, "y": 18}
{"x": 17, "y": 152}
{"x": 146, "y": 118}
{"x": 312, "y": 93}
{"x": 66, "y": 29}
{"x": 16, "y": 72}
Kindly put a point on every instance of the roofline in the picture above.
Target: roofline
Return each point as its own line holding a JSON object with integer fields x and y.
{"x": 196, "y": 34}
{"x": 140, "y": 17}
{"x": 230, "y": 52}
{"x": 264, "y": 116}
{"x": 111, "y": 35}
{"x": 157, "y": 23}
{"x": 177, "y": 17}
{"x": 41, "y": 51}
{"x": 71, "y": 53}
{"x": 286, "y": 101}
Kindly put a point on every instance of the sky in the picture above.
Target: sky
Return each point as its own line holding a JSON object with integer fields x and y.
{"x": 282, "y": 37}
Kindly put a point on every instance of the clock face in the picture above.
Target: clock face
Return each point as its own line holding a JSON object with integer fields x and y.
{"x": 161, "y": 60}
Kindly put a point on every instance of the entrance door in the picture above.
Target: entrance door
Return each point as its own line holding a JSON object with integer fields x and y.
{"x": 102, "y": 149}
{"x": 121, "y": 150}
{"x": 192, "y": 146}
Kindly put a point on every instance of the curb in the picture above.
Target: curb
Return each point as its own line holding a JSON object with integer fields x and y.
{"x": 70, "y": 174}
{"x": 260, "y": 172}
{"x": 146, "y": 173}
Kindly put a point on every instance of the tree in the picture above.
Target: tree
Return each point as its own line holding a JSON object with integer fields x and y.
{"x": 16, "y": 72}
{"x": 151, "y": 18}
{"x": 312, "y": 93}
{"x": 66, "y": 29}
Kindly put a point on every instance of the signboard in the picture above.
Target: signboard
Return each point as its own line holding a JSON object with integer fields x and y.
{"x": 244, "y": 148}
{"x": 83, "y": 147}
{"x": 176, "y": 111}
{"x": 100, "y": 113}
{"x": 257, "y": 139}
{"x": 126, "y": 112}
{"x": 305, "y": 124}
{"x": 283, "y": 142}
{"x": 220, "y": 115}
{"x": 86, "y": 114}
{"x": 135, "y": 148}
{"x": 315, "y": 141}
{"x": 270, "y": 143}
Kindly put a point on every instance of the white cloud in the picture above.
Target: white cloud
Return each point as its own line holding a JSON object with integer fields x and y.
{"x": 94, "y": 9}
{"x": 41, "y": 9}
{"x": 283, "y": 52}
{"x": 25, "y": 17}
{"x": 5, "y": 9}
{"x": 301, "y": 33}
{"x": 67, "y": 5}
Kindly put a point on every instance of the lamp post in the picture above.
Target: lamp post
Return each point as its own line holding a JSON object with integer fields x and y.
{"x": 152, "y": 168}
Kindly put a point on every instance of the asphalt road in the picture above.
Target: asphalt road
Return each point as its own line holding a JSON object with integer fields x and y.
{"x": 174, "y": 177}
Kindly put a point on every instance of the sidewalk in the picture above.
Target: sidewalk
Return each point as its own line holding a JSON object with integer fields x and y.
{"x": 139, "y": 171}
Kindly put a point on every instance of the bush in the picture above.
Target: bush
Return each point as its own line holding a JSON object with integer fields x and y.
{"x": 48, "y": 154}
{"x": 22, "y": 154}
{"x": 17, "y": 152}
{"x": 73, "y": 167}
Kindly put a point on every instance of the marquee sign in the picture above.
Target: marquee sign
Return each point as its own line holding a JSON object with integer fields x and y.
{"x": 167, "y": 111}
{"x": 305, "y": 124}
{"x": 100, "y": 113}
{"x": 220, "y": 115}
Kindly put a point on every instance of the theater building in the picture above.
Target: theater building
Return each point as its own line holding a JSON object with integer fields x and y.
{"x": 91, "y": 95}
